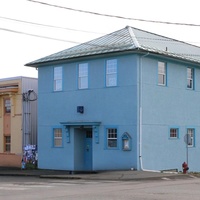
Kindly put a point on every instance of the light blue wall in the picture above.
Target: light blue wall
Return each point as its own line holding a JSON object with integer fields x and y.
{"x": 49, "y": 156}
{"x": 113, "y": 107}
{"x": 166, "y": 107}
{"x": 105, "y": 159}
{"x": 163, "y": 107}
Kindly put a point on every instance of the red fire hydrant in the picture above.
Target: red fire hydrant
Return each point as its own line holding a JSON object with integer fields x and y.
{"x": 185, "y": 167}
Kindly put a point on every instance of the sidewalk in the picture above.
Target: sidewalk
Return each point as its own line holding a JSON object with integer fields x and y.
{"x": 100, "y": 175}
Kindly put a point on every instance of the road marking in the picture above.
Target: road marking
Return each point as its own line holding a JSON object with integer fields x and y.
{"x": 12, "y": 188}
{"x": 193, "y": 176}
{"x": 166, "y": 179}
{"x": 22, "y": 187}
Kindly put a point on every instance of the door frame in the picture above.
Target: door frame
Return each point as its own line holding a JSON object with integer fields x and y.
{"x": 88, "y": 149}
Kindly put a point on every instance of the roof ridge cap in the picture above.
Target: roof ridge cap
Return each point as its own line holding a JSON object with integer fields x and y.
{"x": 133, "y": 37}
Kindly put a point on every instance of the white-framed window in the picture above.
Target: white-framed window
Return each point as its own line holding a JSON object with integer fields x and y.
{"x": 190, "y": 78}
{"x": 7, "y": 143}
{"x": 161, "y": 73}
{"x": 57, "y": 78}
{"x": 57, "y": 136}
{"x": 111, "y": 138}
{"x": 111, "y": 73}
{"x": 83, "y": 76}
{"x": 173, "y": 133}
{"x": 7, "y": 106}
{"x": 190, "y": 137}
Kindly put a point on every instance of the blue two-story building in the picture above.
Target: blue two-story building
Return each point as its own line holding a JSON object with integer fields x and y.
{"x": 129, "y": 99}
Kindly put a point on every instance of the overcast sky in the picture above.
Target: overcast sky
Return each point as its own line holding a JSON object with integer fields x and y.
{"x": 18, "y": 47}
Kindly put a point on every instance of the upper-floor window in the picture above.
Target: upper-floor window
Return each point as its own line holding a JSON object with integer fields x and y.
{"x": 190, "y": 137}
{"x": 83, "y": 76}
{"x": 111, "y": 72}
{"x": 57, "y": 137}
{"x": 57, "y": 78}
{"x": 190, "y": 78}
{"x": 7, "y": 106}
{"x": 111, "y": 138}
{"x": 161, "y": 73}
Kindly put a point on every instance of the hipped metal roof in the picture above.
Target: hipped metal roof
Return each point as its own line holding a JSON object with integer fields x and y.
{"x": 127, "y": 39}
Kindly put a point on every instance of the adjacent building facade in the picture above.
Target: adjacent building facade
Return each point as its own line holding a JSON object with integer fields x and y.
{"x": 129, "y": 99}
{"x": 18, "y": 118}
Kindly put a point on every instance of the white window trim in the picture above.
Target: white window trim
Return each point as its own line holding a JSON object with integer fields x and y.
{"x": 57, "y": 138}
{"x": 162, "y": 74}
{"x": 191, "y": 137}
{"x": 82, "y": 76}
{"x": 7, "y": 144}
{"x": 190, "y": 79}
{"x": 58, "y": 81}
{"x": 176, "y": 133}
{"x": 112, "y": 138}
{"x": 111, "y": 63}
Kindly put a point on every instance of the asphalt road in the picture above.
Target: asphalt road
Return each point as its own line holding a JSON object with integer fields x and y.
{"x": 33, "y": 188}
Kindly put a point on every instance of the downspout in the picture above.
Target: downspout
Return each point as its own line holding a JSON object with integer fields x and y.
{"x": 137, "y": 46}
{"x": 140, "y": 116}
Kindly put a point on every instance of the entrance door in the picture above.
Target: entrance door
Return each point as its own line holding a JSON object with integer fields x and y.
{"x": 88, "y": 150}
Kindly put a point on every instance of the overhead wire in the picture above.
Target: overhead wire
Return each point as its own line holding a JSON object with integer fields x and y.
{"x": 59, "y": 27}
{"x": 47, "y": 25}
{"x": 114, "y": 16}
{"x": 65, "y": 28}
{"x": 39, "y": 36}
{"x": 90, "y": 44}
{"x": 51, "y": 38}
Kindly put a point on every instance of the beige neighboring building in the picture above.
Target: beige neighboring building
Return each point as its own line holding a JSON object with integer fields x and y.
{"x": 18, "y": 118}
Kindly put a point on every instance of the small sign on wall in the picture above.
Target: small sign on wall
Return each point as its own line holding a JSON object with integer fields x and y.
{"x": 126, "y": 142}
{"x": 80, "y": 109}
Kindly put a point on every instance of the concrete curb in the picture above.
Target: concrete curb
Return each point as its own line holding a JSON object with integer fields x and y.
{"x": 117, "y": 178}
{"x": 104, "y": 176}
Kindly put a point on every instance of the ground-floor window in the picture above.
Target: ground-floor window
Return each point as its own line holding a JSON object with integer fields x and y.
{"x": 173, "y": 133}
{"x": 57, "y": 137}
{"x": 112, "y": 138}
{"x": 190, "y": 137}
{"x": 7, "y": 143}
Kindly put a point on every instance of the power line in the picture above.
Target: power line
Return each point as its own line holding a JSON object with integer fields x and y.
{"x": 59, "y": 27}
{"x": 65, "y": 28}
{"x": 115, "y": 16}
{"x": 89, "y": 44}
{"x": 39, "y": 36}
{"x": 49, "y": 26}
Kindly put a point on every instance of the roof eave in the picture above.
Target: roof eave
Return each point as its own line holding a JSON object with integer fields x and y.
{"x": 172, "y": 56}
{"x": 55, "y": 61}
{"x": 138, "y": 50}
